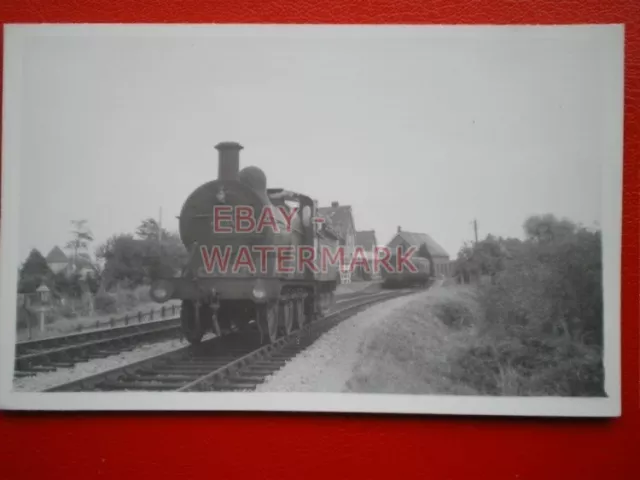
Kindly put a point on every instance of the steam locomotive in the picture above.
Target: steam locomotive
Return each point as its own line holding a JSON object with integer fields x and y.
{"x": 239, "y": 235}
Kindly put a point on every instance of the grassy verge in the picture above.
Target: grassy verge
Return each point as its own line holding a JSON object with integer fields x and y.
{"x": 125, "y": 302}
{"x": 441, "y": 343}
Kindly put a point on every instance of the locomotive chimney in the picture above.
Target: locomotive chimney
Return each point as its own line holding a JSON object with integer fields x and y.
{"x": 228, "y": 160}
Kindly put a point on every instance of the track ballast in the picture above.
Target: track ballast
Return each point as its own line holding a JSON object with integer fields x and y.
{"x": 230, "y": 363}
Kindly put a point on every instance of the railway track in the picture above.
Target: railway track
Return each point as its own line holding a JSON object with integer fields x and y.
{"x": 231, "y": 363}
{"x": 49, "y": 354}
{"x": 64, "y": 351}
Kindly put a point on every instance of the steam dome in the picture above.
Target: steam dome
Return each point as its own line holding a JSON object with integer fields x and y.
{"x": 254, "y": 178}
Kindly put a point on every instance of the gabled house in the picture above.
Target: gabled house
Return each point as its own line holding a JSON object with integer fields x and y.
{"x": 59, "y": 262}
{"x": 441, "y": 259}
{"x": 366, "y": 239}
{"x": 340, "y": 217}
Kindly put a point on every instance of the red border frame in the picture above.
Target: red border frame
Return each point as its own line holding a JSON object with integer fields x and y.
{"x": 296, "y": 446}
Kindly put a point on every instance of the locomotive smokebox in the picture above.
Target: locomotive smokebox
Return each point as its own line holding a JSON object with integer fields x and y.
{"x": 228, "y": 160}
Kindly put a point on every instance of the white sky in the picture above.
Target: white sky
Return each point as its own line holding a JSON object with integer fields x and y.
{"x": 427, "y": 131}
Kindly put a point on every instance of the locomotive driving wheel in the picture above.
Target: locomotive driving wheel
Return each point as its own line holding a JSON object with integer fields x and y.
{"x": 191, "y": 321}
{"x": 287, "y": 317}
{"x": 268, "y": 322}
{"x": 298, "y": 309}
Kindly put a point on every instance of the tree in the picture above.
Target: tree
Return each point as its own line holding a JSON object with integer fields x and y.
{"x": 149, "y": 229}
{"x": 486, "y": 257}
{"x": 33, "y": 273}
{"x": 164, "y": 250}
{"x": 82, "y": 237}
{"x": 545, "y": 228}
{"x": 67, "y": 285}
{"x": 152, "y": 252}
{"x": 124, "y": 258}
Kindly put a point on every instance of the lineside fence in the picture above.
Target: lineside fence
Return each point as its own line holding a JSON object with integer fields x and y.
{"x": 166, "y": 311}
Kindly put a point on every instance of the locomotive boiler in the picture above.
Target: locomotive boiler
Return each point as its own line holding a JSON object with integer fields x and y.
{"x": 254, "y": 256}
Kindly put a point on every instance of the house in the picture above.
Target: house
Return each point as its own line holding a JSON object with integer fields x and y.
{"x": 340, "y": 217}
{"x": 441, "y": 260}
{"x": 366, "y": 239}
{"x": 59, "y": 262}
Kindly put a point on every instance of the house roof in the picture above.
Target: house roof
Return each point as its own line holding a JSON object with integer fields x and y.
{"x": 416, "y": 239}
{"x": 366, "y": 239}
{"x": 56, "y": 255}
{"x": 339, "y": 216}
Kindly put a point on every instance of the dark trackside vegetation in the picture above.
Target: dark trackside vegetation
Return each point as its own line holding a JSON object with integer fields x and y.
{"x": 521, "y": 318}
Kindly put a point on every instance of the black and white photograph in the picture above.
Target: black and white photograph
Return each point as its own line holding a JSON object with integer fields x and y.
{"x": 312, "y": 218}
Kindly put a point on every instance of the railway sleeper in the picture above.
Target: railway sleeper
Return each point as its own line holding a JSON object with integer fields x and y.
{"x": 245, "y": 379}
{"x": 207, "y": 366}
{"x": 266, "y": 370}
{"x": 268, "y": 364}
{"x": 135, "y": 385}
{"x": 210, "y": 362}
{"x": 235, "y": 386}
{"x": 39, "y": 368}
{"x": 161, "y": 377}
{"x": 183, "y": 372}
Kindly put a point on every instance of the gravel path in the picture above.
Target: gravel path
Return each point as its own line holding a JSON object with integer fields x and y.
{"x": 42, "y": 381}
{"x": 327, "y": 365}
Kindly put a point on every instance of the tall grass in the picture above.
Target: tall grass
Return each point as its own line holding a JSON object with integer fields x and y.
{"x": 443, "y": 342}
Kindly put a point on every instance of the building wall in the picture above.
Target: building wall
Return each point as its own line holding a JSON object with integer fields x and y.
{"x": 442, "y": 265}
{"x": 350, "y": 242}
{"x": 58, "y": 267}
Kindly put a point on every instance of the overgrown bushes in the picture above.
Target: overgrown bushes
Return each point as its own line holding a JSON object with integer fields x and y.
{"x": 541, "y": 329}
{"x": 105, "y": 303}
{"x": 121, "y": 299}
{"x": 533, "y": 329}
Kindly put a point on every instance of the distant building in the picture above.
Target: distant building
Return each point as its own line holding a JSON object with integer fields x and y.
{"x": 340, "y": 218}
{"x": 441, "y": 260}
{"x": 366, "y": 239}
{"x": 59, "y": 262}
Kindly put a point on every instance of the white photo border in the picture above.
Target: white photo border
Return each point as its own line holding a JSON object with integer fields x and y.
{"x": 610, "y": 406}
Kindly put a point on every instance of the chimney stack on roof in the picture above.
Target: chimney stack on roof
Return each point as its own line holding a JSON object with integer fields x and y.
{"x": 228, "y": 160}
{"x": 399, "y": 228}
{"x": 335, "y": 204}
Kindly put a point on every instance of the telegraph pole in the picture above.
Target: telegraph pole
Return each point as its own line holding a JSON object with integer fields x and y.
{"x": 475, "y": 229}
{"x": 160, "y": 232}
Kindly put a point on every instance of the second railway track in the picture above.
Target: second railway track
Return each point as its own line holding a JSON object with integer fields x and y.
{"x": 49, "y": 354}
{"x": 237, "y": 363}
